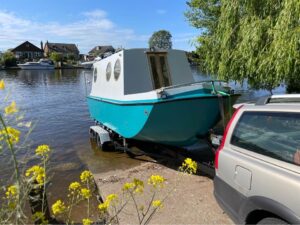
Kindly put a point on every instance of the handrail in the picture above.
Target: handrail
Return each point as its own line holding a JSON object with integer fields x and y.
{"x": 191, "y": 84}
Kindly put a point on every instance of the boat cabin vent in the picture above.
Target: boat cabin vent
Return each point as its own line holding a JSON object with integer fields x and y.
{"x": 159, "y": 69}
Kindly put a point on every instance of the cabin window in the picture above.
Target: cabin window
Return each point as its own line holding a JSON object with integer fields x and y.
{"x": 108, "y": 71}
{"x": 159, "y": 69}
{"x": 117, "y": 69}
{"x": 95, "y": 74}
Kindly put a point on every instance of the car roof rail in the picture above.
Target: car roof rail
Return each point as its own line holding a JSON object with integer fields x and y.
{"x": 285, "y": 98}
{"x": 263, "y": 100}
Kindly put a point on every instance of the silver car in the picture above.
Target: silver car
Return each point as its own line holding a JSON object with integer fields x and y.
{"x": 258, "y": 162}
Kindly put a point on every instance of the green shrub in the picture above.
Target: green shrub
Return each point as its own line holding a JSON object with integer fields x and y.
{"x": 9, "y": 59}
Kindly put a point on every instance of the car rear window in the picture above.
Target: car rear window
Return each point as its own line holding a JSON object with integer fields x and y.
{"x": 272, "y": 134}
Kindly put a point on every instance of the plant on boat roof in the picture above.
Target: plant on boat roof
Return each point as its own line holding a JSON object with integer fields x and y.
{"x": 161, "y": 40}
{"x": 253, "y": 40}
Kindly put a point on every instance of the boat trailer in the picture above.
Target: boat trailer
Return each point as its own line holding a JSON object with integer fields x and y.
{"x": 108, "y": 140}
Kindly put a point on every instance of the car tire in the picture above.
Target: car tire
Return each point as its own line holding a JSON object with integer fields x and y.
{"x": 272, "y": 220}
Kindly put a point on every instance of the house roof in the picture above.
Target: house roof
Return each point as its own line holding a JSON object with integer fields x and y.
{"x": 62, "y": 47}
{"x": 26, "y": 47}
{"x": 101, "y": 49}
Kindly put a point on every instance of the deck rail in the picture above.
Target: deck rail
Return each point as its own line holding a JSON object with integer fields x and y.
{"x": 193, "y": 83}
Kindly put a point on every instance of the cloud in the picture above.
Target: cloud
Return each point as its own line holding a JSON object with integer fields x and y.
{"x": 98, "y": 13}
{"x": 161, "y": 11}
{"x": 94, "y": 28}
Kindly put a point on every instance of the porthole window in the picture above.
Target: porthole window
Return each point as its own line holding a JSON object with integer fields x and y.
{"x": 117, "y": 69}
{"x": 108, "y": 71}
{"x": 95, "y": 74}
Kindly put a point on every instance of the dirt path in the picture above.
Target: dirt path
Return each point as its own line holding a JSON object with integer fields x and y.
{"x": 190, "y": 199}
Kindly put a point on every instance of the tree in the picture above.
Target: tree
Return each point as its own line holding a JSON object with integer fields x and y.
{"x": 56, "y": 57}
{"x": 71, "y": 57}
{"x": 9, "y": 59}
{"x": 161, "y": 39}
{"x": 204, "y": 15}
{"x": 252, "y": 40}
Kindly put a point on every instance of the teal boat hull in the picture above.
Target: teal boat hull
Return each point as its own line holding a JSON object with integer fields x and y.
{"x": 177, "y": 122}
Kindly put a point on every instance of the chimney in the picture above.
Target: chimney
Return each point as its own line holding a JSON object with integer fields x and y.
{"x": 42, "y": 47}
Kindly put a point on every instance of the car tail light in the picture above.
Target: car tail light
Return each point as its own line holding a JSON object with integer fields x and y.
{"x": 224, "y": 137}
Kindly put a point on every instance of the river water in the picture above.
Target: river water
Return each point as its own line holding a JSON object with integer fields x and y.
{"x": 55, "y": 102}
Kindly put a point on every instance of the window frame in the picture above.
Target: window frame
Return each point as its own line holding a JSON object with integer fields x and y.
{"x": 108, "y": 66}
{"x": 157, "y": 56}
{"x": 95, "y": 74}
{"x": 256, "y": 154}
{"x": 117, "y": 77}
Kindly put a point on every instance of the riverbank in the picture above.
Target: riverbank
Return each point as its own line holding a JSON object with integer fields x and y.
{"x": 57, "y": 68}
{"x": 190, "y": 201}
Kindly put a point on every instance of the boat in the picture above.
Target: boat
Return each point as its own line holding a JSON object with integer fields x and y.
{"x": 151, "y": 95}
{"x": 42, "y": 64}
{"x": 89, "y": 64}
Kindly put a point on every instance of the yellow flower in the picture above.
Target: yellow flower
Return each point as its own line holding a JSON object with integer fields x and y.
{"x": 188, "y": 166}
{"x": 12, "y": 205}
{"x": 111, "y": 197}
{"x": 137, "y": 185}
{"x": 74, "y": 186}
{"x": 128, "y": 186}
{"x": 13, "y": 134}
{"x": 157, "y": 204}
{"x": 87, "y": 221}
{"x": 156, "y": 181}
{"x": 37, "y": 173}
{"x": 2, "y": 84}
{"x": 11, "y": 191}
{"x": 103, "y": 207}
{"x": 42, "y": 150}
{"x": 40, "y": 217}
{"x": 12, "y": 108}
{"x": 86, "y": 193}
{"x": 58, "y": 207}
{"x": 86, "y": 176}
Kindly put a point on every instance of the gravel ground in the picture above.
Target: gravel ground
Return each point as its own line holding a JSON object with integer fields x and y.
{"x": 189, "y": 199}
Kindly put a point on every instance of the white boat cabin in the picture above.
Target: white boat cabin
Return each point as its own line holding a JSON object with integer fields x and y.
{"x": 138, "y": 73}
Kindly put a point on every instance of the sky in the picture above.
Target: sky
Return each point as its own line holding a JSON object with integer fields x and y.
{"x": 87, "y": 23}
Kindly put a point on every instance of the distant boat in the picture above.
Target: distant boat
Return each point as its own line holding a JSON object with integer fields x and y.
{"x": 151, "y": 95}
{"x": 89, "y": 64}
{"x": 42, "y": 64}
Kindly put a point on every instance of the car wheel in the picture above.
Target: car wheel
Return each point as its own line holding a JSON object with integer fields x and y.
{"x": 272, "y": 220}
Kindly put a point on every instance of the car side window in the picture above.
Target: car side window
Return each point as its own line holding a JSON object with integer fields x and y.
{"x": 273, "y": 134}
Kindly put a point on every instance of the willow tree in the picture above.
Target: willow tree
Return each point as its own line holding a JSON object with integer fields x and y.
{"x": 254, "y": 40}
{"x": 204, "y": 15}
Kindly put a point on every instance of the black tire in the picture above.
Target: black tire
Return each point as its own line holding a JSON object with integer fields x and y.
{"x": 272, "y": 220}
{"x": 107, "y": 146}
{"x": 98, "y": 141}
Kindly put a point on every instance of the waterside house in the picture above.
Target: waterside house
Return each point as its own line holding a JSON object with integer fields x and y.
{"x": 27, "y": 51}
{"x": 100, "y": 51}
{"x": 66, "y": 50}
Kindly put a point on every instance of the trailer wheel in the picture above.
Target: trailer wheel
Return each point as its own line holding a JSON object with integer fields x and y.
{"x": 98, "y": 141}
{"x": 92, "y": 134}
{"x": 108, "y": 146}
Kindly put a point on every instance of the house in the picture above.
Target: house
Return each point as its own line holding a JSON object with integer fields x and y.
{"x": 101, "y": 50}
{"x": 27, "y": 50}
{"x": 66, "y": 50}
